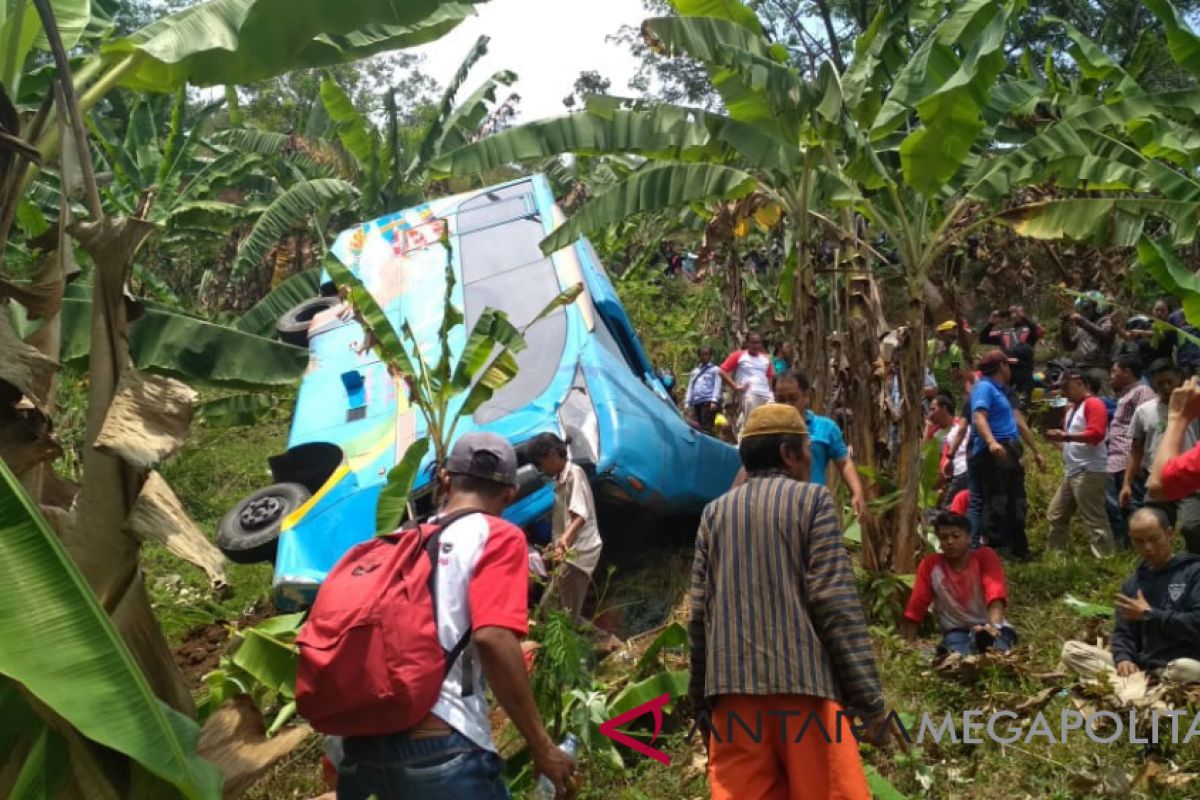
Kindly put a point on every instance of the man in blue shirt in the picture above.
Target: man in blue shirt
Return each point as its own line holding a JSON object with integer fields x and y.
{"x": 704, "y": 391}
{"x": 825, "y": 438}
{"x": 994, "y": 463}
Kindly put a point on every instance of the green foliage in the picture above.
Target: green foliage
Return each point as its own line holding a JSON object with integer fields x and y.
{"x": 263, "y": 664}
{"x": 300, "y": 202}
{"x": 672, "y": 636}
{"x": 1086, "y": 609}
{"x": 88, "y": 677}
{"x": 562, "y": 665}
{"x": 884, "y": 597}
{"x": 393, "y": 499}
{"x": 21, "y": 32}
{"x": 653, "y": 189}
{"x": 183, "y": 346}
{"x": 237, "y": 410}
{"x": 674, "y": 318}
{"x": 239, "y": 41}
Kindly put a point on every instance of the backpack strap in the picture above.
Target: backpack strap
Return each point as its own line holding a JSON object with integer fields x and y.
{"x": 453, "y": 654}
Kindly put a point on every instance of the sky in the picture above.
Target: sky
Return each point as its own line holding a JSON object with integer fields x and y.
{"x": 546, "y": 42}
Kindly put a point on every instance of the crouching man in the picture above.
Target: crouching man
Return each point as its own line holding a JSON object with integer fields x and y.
{"x": 967, "y": 589}
{"x": 1158, "y": 610}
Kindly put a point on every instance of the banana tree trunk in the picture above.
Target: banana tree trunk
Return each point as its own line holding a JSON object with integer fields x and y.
{"x": 107, "y": 555}
{"x": 735, "y": 296}
{"x": 864, "y": 397}
{"x": 808, "y": 322}
{"x": 906, "y": 539}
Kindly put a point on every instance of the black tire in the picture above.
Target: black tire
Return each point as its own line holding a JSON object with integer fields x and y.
{"x": 249, "y": 532}
{"x": 292, "y": 327}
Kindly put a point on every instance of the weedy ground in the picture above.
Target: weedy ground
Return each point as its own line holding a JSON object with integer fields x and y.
{"x": 649, "y": 587}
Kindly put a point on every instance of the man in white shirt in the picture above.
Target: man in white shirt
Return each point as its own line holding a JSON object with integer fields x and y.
{"x": 749, "y": 372}
{"x": 481, "y": 578}
{"x": 577, "y": 543}
{"x": 1146, "y": 431}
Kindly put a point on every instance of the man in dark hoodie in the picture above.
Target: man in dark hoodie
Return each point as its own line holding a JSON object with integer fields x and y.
{"x": 1158, "y": 609}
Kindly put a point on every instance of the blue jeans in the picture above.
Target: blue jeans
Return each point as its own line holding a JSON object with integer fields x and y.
{"x": 975, "y": 507}
{"x": 396, "y": 767}
{"x": 1118, "y": 518}
{"x": 967, "y": 643}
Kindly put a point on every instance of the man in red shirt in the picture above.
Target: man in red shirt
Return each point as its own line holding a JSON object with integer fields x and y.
{"x": 749, "y": 372}
{"x": 967, "y": 590}
{"x": 1175, "y": 476}
{"x": 1085, "y": 473}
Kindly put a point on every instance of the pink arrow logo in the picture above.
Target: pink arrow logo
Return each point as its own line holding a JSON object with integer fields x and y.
{"x": 655, "y": 707}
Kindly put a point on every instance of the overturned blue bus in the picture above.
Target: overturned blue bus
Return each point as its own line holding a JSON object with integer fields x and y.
{"x": 584, "y": 375}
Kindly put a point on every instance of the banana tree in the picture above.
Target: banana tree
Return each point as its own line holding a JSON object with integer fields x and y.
{"x": 905, "y": 145}
{"x": 389, "y": 172}
{"x": 133, "y": 421}
{"x": 69, "y": 686}
{"x": 446, "y": 390}
{"x": 764, "y": 151}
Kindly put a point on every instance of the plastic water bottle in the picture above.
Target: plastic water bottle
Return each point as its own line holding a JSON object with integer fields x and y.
{"x": 544, "y": 790}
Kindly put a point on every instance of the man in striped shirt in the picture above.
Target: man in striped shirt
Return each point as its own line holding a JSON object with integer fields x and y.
{"x": 777, "y": 629}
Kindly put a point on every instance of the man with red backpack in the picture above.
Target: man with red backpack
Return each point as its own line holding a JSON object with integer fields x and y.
{"x": 404, "y": 633}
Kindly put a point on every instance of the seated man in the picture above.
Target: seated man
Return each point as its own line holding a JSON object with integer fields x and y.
{"x": 966, "y": 588}
{"x": 1158, "y": 609}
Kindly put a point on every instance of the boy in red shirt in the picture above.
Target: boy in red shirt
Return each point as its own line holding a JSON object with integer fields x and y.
{"x": 967, "y": 590}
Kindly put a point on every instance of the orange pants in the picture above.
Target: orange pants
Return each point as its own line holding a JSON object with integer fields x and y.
{"x": 777, "y": 767}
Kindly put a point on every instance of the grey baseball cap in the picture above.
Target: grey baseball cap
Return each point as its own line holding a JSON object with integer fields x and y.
{"x": 463, "y": 459}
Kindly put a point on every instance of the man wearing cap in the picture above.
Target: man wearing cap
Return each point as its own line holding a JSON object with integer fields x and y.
{"x": 1085, "y": 473}
{"x": 777, "y": 630}
{"x": 945, "y": 355}
{"x": 481, "y": 587}
{"x": 994, "y": 464}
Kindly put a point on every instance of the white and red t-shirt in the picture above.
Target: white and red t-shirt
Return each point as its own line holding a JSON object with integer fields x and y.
{"x": 960, "y": 599}
{"x": 482, "y": 581}
{"x": 755, "y": 371}
{"x": 1089, "y": 420}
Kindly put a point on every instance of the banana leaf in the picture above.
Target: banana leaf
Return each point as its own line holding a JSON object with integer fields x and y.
{"x": 730, "y": 10}
{"x": 356, "y": 133}
{"x": 181, "y": 346}
{"x": 271, "y": 660}
{"x": 393, "y": 500}
{"x": 63, "y": 648}
{"x": 672, "y": 682}
{"x": 243, "y": 41}
{"x": 659, "y": 132}
{"x": 1182, "y": 41}
{"x": 46, "y": 768}
{"x": 21, "y": 32}
{"x": 260, "y": 320}
{"x": 1173, "y": 276}
{"x": 653, "y": 189}
{"x": 674, "y": 635}
{"x": 296, "y": 204}
{"x": 236, "y": 411}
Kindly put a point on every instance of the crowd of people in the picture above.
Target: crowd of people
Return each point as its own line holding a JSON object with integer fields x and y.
{"x": 776, "y": 626}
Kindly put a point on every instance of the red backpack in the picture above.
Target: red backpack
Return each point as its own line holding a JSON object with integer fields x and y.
{"x": 371, "y": 662}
